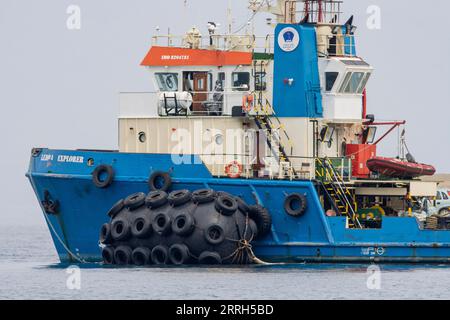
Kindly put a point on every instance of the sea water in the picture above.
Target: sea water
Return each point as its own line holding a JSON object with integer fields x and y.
{"x": 29, "y": 269}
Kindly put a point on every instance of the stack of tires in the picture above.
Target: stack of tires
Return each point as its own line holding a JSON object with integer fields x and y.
{"x": 182, "y": 228}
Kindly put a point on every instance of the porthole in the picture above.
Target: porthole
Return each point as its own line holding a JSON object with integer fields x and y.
{"x": 218, "y": 139}
{"x": 90, "y": 162}
{"x": 142, "y": 137}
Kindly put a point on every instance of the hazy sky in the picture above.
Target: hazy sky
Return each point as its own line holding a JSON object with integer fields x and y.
{"x": 59, "y": 87}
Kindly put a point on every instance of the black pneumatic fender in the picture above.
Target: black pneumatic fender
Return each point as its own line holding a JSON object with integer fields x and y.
{"x": 262, "y": 219}
{"x": 97, "y": 176}
{"x": 242, "y": 205}
{"x": 209, "y": 227}
{"x": 296, "y": 205}
{"x": 160, "y": 180}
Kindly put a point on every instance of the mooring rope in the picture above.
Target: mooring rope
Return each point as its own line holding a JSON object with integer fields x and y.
{"x": 78, "y": 259}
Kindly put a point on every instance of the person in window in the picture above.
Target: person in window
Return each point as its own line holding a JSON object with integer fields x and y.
{"x": 215, "y": 108}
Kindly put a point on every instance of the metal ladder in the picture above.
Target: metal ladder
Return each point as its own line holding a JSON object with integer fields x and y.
{"x": 263, "y": 120}
{"x": 338, "y": 192}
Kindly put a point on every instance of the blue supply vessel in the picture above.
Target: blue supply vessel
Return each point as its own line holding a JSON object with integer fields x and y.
{"x": 248, "y": 147}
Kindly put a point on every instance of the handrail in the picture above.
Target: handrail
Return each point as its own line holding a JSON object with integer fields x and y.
{"x": 219, "y": 42}
{"x": 341, "y": 191}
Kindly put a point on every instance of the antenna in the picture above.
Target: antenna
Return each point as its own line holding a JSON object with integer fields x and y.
{"x": 230, "y": 18}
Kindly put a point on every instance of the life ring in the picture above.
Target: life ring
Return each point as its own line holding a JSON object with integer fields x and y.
{"x": 234, "y": 170}
{"x": 247, "y": 102}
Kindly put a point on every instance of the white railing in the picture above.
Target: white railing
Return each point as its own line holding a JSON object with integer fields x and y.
{"x": 299, "y": 168}
{"x": 217, "y": 42}
{"x": 152, "y": 104}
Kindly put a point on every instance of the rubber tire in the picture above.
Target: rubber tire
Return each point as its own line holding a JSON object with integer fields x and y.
{"x": 119, "y": 206}
{"x": 226, "y": 205}
{"x": 122, "y": 255}
{"x": 180, "y": 197}
{"x": 120, "y": 236}
{"x": 141, "y": 227}
{"x": 214, "y": 234}
{"x": 109, "y": 170}
{"x": 210, "y": 258}
{"x": 301, "y": 210}
{"x": 156, "y": 199}
{"x": 203, "y": 196}
{"x": 105, "y": 234}
{"x": 141, "y": 256}
{"x": 262, "y": 218}
{"x": 162, "y": 224}
{"x": 242, "y": 205}
{"x": 187, "y": 228}
{"x": 160, "y": 255}
{"x": 443, "y": 211}
{"x": 157, "y": 175}
{"x": 135, "y": 201}
{"x": 179, "y": 254}
{"x": 108, "y": 255}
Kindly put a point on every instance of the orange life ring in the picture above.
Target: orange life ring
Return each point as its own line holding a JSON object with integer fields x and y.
{"x": 234, "y": 170}
{"x": 247, "y": 102}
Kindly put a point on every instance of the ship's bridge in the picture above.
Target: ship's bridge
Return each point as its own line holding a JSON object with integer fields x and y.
{"x": 343, "y": 82}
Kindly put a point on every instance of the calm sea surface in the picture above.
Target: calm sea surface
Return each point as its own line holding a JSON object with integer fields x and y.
{"x": 29, "y": 269}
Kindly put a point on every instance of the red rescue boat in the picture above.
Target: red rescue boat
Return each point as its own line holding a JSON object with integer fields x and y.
{"x": 397, "y": 168}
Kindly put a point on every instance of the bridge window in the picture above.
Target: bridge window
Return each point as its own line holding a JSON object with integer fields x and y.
{"x": 330, "y": 79}
{"x": 167, "y": 81}
{"x": 364, "y": 83}
{"x": 352, "y": 82}
{"x": 241, "y": 81}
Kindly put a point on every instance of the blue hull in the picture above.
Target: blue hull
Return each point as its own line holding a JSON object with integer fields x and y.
{"x": 67, "y": 177}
